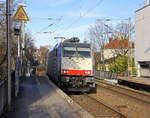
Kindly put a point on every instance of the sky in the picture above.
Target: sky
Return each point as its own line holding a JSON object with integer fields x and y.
{"x": 72, "y": 18}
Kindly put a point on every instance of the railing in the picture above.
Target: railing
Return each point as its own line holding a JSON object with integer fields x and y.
{"x": 3, "y": 95}
{"x": 105, "y": 74}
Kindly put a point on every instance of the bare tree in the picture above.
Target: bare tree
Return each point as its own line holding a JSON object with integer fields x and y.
{"x": 13, "y": 42}
{"x": 29, "y": 47}
{"x": 100, "y": 33}
{"x": 122, "y": 35}
{"x": 125, "y": 29}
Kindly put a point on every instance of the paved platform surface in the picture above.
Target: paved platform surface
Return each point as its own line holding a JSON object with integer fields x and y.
{"x": 39, "y": 98}
{"x": 140, "y": 80}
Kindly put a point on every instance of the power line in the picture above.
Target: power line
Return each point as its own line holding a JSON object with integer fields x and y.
{"x": 45, "y": 32}
{"x": 89, "y": 10}
{"x": 45, "y": 40}
{"x": 43, "y": 29}
{"x": 81, "y": 6}
{"x": 46, "y": 18}
{"x": 115, "y": 19}
{"x": 77, "y": 20}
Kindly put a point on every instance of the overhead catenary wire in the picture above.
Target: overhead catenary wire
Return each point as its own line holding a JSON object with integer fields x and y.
{"x": 80, "y": 7}
{"x": 110, "y": 28}
{"x": 89, "y": 10}
{"x": 45, "y": 40}
{"x": 77, "y": 20}
{"x": 43, "y": 29}
{"x": 46, "y": 18}
{"x": 33, "y": 34}
{"x": 83, "y": 15}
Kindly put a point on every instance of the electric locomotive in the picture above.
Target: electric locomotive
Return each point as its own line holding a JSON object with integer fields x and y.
{"x": 70, "y": 66}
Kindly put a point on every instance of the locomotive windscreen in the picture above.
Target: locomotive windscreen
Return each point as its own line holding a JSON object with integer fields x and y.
{"x": 77, "y": 50}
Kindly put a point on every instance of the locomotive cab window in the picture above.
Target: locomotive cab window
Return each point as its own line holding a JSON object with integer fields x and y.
{"x": 76, "y": 52}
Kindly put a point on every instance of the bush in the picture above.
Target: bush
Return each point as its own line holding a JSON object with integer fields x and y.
{"x": 119, "y": 65}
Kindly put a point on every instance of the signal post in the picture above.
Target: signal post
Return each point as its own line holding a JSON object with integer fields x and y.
{"x": 22, "y": 17}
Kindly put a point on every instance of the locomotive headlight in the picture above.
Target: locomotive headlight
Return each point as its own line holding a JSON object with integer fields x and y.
{"x": 87, "y": 72}
{"x": 65, "y": 71}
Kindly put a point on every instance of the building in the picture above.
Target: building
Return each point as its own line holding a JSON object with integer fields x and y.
{"x": 113, "y": 49}
{"x": 118, "y": 47}
{"x": 142, "y": 43}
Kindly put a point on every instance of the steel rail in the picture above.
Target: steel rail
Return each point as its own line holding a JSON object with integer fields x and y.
{"x": 109, "y": 107}
{"x": 125, "y": 93}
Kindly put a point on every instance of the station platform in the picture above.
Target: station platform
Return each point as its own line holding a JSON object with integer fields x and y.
{"x": 137, "y": 81}
{"x": 40, "y": 98}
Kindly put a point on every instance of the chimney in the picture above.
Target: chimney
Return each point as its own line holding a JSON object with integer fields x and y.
{"x": 147, "y": 2}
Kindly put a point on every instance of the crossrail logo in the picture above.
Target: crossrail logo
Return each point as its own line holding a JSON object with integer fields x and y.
{"x": 21, "y": 15}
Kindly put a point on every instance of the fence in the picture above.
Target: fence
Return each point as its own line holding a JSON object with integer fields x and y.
{"x": 3, "y": 95}
{"x": 105, "y": 74}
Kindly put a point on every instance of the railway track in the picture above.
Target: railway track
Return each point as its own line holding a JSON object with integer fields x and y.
{"x": 128, "y": 101}
{"x": 121, "y": 115}
{"x": 134, "y": 94}
{"x": 96, "y": 107}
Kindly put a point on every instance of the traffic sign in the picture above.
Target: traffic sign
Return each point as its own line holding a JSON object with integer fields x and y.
{"x": 21, "y": 15}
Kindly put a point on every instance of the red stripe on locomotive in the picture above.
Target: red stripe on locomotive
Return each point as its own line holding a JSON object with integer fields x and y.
{"x": 76, "y": 72}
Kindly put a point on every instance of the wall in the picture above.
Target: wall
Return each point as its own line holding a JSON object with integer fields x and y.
{"x": 110, "y": 53}
{"x": 142, "y": 29}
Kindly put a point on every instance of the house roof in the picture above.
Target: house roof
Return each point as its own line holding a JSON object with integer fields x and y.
{"x": 118, "y": 44}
